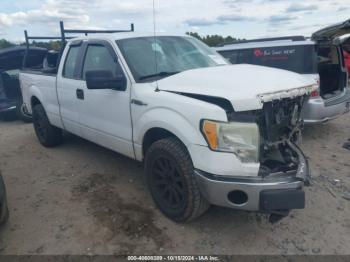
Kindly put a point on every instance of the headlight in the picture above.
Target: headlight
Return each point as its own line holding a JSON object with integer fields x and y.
{"x": 242, "y": 139}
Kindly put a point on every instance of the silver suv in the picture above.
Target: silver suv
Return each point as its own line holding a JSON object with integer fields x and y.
{"x": 319, "y": 57}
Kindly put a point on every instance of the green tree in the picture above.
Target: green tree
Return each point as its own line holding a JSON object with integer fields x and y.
{"x": 214, "y": 40}
{"x": 5, "y": 44}
{"x": 52, "y": 45}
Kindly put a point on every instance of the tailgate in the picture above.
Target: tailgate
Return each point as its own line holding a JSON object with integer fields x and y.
{"x": 332, "y": 32}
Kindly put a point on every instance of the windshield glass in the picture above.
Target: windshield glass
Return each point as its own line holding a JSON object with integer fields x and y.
{"x": 300, "y": 59}
{"x": 173, "y": 54}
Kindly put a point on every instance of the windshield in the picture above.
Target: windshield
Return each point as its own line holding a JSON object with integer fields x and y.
{"x": 300, "y": 59}
{"x": 173, "y": 54}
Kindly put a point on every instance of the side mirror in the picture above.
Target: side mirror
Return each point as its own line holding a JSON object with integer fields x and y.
{"x": 104, "y": 79}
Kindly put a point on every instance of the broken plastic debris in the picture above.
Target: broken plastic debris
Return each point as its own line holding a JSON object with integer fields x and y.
{"x": 267, "y": 97}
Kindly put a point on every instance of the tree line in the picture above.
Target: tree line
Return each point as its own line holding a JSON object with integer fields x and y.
{"x": 52, "y": 45}
{"x": 210, "y": 40}
{"x": 214, "y": 40}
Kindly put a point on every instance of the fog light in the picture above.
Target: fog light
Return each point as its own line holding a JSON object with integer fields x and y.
{"x": 237, "y": 197}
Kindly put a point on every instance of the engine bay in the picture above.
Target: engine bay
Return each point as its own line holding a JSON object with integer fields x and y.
{"x": 280, "y": 126}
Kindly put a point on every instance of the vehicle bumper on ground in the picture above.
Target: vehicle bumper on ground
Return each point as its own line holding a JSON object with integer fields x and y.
{"x": 7, "y": 106}
{"x": 317, "y": 110}
{"x": 269, "y": 194}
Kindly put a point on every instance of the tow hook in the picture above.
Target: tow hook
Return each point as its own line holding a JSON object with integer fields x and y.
{"x": 277, "y": 215}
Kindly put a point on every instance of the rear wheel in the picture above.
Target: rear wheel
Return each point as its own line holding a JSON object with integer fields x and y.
{"x": 20, "y": 112}
{"x": 170, "y": 178}
{"x": 4, "y": 212}
{"x": 48, "y": 135}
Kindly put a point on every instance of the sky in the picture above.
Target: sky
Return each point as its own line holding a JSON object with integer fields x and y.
{"x": 239, "y": 18}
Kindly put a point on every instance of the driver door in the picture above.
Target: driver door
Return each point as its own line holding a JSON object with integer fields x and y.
{"x": 105, "y": 113}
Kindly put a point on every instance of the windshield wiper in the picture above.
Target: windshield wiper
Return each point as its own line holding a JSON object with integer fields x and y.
{"x": 160, "y": 74}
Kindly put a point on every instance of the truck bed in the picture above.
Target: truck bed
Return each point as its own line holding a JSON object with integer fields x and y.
{"x": 39, "y": 72}
{"x": 36, "y": 85}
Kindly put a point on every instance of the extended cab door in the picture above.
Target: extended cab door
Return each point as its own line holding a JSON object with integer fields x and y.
{"x": 68, "y": 82}
{"x": 105, "y": 113}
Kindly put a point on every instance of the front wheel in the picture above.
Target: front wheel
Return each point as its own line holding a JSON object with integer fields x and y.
{"x": 48, "y": 135}
{"x": 170, "y": 178}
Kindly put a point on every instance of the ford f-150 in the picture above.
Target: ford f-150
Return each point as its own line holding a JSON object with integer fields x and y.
{"x": 207, "y": 132}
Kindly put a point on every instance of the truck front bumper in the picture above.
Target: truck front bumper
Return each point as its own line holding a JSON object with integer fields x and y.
{"x": 270, "y": 194}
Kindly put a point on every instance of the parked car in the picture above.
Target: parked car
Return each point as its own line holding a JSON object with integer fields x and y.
{"x": 11, "y": 61}
{"x": 4, "y": 212}
{"x": 207, "y": 132}
{"x": 319, "y": 58}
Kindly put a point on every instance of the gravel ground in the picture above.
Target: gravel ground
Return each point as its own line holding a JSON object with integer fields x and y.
{"x": 80, "y": 198}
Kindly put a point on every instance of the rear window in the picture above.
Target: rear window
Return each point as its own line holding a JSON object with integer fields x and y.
{"x": 71, "y": 60}
{"x": 299, "y": 59}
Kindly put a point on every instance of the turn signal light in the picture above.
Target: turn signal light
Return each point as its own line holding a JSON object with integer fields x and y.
{"x": 210, "y": 130}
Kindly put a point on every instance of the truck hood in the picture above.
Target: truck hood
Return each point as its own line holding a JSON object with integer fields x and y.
{"x": 247, "y": 87}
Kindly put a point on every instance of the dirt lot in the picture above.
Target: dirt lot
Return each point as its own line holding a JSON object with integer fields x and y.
{"x": 82, "y": 199}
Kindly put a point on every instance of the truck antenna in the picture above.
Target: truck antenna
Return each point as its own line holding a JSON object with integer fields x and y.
{"x": 155, "y": 44}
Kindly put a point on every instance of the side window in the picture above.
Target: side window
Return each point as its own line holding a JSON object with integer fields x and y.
{"x": 71, "y": 61}
{"x": 98, "y": 58}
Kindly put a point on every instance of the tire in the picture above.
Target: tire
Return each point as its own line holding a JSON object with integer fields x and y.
{"x": 47, "y": 134}
{"x": 4, "y": 211}
{"x": 20, "y": 112}
{"x": 170, "y": 177}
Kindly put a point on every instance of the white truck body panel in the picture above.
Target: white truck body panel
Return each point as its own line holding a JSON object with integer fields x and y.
{"x": 43, "y": 87}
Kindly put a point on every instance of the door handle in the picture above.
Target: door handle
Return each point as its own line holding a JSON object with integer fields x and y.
{"x": 80, "y": 94}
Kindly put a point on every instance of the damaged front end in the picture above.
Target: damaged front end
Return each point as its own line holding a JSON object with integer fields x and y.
{"x": 280, "y": 158}
{"x": 280, "y": 126}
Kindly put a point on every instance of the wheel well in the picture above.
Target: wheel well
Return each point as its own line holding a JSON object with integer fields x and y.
{"x": 35, "y": 101}
{"x": 153, "y": 135}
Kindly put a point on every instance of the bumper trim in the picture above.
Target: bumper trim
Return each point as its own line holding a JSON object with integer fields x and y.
{"x": 216, "y": 189}
{"x": 271, "y": 200}
{"x": 318, "y": 110}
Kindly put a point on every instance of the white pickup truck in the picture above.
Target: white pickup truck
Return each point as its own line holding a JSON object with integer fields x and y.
{"x": 207, "y": 132}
